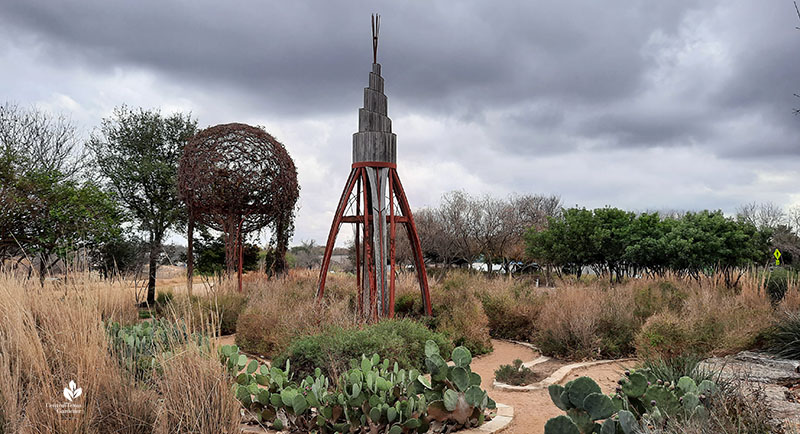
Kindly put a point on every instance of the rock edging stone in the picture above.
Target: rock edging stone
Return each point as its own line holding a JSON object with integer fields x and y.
{"x": 501, "y": 421}
{"x": 556, "y": 377}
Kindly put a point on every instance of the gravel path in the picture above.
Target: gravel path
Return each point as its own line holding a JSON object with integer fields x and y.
{"x": 533, "y": 409}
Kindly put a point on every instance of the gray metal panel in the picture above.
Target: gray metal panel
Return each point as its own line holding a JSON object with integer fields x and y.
{"x": 383, "y": 177}
{"x": 376, "y": 234}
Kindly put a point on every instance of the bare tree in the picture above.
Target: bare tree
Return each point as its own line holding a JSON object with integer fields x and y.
{"x": 794, "y": 218}
{"x": 762, "y": 215}
{"x": 529, "y": 211}
{"x": 458, "y": 214}
{"x": 463, "y": 227}
{"x": 308, "y": 254}
{"x": 34, "y": 140}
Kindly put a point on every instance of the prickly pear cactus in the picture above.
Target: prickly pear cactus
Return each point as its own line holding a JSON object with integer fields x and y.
{"x": 640, "y": 399}
{"x": 586, "y": 407}
{"x": 375, "y": 396}
{"x": 139, "y": 347}
{"x": 454, "y": 392}
{"x": 655, "y": 401}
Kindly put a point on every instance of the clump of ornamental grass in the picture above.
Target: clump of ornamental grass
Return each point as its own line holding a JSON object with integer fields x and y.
{"x": 516, "y": 374}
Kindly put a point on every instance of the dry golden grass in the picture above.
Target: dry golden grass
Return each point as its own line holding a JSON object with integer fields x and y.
{"x": 280, "y": 309}
{"x": 592, "y": 319}
{"x": 53, "y": 335}
{"x": 201, "y": 402}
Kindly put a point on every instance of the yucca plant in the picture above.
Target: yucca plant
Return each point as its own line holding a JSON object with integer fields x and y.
{"x": 783, "y": 340}
{"x": 673, "y": 368}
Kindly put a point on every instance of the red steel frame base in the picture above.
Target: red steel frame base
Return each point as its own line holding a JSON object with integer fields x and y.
{"x": 365, "y": 226}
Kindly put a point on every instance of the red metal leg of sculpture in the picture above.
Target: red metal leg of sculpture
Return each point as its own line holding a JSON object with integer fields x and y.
{"x": 337, "y": 221}
{"x": 413, "y": 239}
{"x": 357, "y": 245}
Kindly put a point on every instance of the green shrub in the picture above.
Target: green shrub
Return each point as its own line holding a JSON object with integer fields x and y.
{"x": 777, "y": 283}
{"x": 401, "y": 341}
{"x": 706, "y": 334}
{"x": 162, "y": 304}
{"x": 616, "y": 329}
{"x": 164, "y": 298}
{"x": 516, "y": 374}
{"x": 406, "y": 305}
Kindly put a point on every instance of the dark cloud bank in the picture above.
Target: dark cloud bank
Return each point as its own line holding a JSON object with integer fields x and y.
{"x": 681, "y": 104}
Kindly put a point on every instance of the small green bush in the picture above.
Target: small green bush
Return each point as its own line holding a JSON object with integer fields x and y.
{"x": 405, "y": 305}
{"x": 617, "y": 333}
{"x": 402, "y": 341}
{"x": 777, "y": 283}
{"x": 164, "y": 298}
{"x": 516, "y": 374}
{"x": 162, "y": 303}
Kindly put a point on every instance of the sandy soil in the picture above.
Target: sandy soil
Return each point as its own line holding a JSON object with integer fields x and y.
{"x": 225, "y": 340}
{"x": 533, "y": 409}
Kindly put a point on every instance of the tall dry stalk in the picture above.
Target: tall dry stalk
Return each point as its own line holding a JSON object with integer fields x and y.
{"x": 52, "y": 335}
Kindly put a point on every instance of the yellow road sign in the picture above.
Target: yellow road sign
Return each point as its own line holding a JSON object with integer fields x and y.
{"x": 777, "y": 256}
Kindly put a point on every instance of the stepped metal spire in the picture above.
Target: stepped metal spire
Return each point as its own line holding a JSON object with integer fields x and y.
{"x": 374, "y": 190}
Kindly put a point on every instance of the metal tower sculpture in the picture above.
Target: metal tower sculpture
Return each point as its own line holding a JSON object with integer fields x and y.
{"x": 374, "y": 190}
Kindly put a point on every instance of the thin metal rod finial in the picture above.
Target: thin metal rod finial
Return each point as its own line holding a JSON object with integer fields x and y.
{"x": 376, "y": 28}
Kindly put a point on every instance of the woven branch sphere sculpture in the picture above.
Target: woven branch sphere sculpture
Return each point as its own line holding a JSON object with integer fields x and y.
{"x": 237, "y": 178}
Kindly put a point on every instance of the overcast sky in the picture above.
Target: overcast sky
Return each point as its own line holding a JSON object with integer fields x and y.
{"x": 635, "y": 104}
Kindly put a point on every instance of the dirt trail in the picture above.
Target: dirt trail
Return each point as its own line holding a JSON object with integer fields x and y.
{"x": 533, "y": 409}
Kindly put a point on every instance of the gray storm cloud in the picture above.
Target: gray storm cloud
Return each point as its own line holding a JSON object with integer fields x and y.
{"x": 641, "y": 105}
